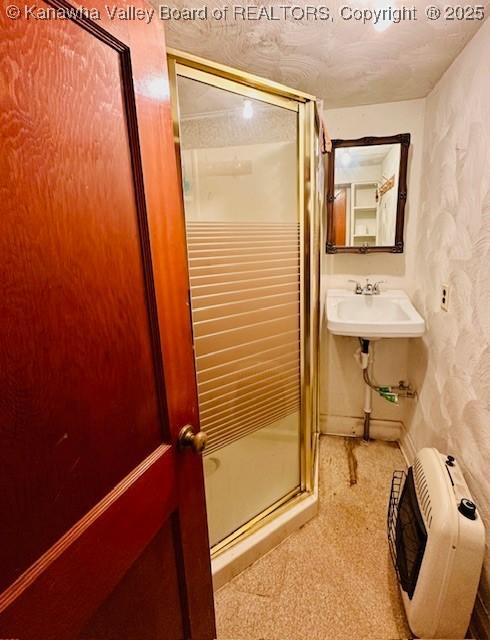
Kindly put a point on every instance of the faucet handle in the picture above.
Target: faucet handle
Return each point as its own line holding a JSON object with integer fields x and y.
{"x": 358, "y": 287}
{"x": 376, "y": 287}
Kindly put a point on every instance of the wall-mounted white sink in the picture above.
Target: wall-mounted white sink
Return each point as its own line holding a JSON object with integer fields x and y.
{"x": 387, "y": 315}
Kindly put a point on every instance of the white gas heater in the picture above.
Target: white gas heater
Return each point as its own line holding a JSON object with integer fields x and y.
{"x": 437, "y": 542}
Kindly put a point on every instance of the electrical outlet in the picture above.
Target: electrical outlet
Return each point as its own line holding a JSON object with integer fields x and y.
{"x": 444, "y": 297}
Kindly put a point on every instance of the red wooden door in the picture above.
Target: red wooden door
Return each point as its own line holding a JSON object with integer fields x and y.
{"x": 103, "y": 529}
{"x": 339, "y": 217}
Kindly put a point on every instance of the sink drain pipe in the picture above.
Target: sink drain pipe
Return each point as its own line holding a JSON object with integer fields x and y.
{"x": 368, "y": 393}
{"x": 384, "y": 392}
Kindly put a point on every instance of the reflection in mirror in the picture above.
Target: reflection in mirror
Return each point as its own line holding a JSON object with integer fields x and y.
{"x": 367, "y": 194}
{"x": 366, "y": 185}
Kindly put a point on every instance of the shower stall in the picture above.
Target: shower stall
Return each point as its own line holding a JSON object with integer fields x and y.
{"x": 252, "y": 187}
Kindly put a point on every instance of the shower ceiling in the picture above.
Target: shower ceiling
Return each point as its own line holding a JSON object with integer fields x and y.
{"x": 345, "y": 63}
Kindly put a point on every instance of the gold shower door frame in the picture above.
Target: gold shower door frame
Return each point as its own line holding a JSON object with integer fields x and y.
{"x": 309, "y": 205}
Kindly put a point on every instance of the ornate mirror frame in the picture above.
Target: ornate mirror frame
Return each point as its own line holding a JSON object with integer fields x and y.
{"x": 404, "y": 140}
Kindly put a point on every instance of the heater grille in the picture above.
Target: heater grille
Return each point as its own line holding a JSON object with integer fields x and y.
{"x": 396, "y": 488}
{"x": 423, "y": 493}
{"x": 407, "y": 535}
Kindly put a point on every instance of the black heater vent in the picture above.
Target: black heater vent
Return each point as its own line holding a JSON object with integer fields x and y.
{"x": 406, "y": 531}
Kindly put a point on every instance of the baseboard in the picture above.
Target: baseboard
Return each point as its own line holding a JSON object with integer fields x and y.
{"x": 354, "y": 426}
{"x": 407, "y": 446}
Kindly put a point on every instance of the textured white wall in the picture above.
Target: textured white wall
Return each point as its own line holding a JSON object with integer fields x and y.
{"x": 452, "y": 362}
{"x": 340, "y": 377}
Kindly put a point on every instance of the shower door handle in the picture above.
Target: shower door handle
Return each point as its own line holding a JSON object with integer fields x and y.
{"x": 196, "y": 441}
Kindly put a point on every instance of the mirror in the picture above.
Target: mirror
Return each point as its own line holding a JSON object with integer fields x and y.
{"x": 366, "y": 194}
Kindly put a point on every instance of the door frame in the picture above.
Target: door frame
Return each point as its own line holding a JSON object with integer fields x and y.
{"x": 254, "y": 87}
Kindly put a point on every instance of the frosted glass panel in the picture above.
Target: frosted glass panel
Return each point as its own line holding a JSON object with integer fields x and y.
{"x": 240, "y": 177}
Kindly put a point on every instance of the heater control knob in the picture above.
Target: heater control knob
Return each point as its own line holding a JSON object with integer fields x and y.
{"x": 467, "y": 508}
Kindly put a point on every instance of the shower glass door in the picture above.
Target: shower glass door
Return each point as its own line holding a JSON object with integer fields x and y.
{"x": 239, "y": 151}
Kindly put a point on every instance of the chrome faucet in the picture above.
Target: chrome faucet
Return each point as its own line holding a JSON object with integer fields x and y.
{"x": 358, "y": 287}
{"x": 369, "y": 289}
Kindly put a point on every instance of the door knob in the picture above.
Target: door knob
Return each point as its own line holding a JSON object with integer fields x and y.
{"x": 196, "y": 441}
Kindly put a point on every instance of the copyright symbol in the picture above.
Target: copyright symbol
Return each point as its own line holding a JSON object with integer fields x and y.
{"x": 12, "y": 12}
{"x": 433, "y": 12}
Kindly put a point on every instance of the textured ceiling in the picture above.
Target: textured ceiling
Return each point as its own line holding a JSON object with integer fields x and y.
{"x": 345, "y": 63}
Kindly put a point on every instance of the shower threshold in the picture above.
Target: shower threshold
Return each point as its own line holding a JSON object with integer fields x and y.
{"x": 237, "y": 552}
